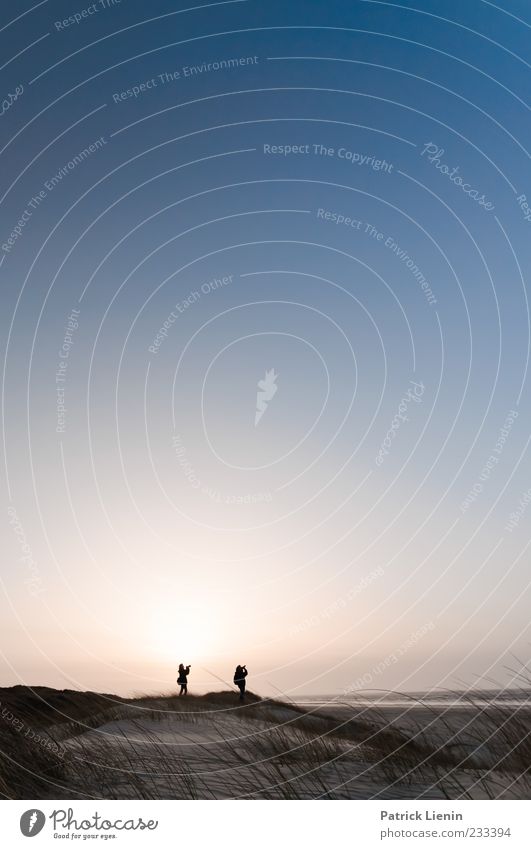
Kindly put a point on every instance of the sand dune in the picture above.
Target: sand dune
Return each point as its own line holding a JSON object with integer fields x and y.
{"x": 91, "y": 745}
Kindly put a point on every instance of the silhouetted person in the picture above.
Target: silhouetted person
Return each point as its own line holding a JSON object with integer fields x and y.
{"x": 184, "y": 672}
{"x": 239, "y": 679}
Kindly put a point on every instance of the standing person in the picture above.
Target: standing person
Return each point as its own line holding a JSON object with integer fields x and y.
{"x": 239, "y": 679}
{"x": 184, "y": 672}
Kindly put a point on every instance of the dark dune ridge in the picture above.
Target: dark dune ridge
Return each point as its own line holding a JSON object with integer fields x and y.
{"x": 72, "y": 744}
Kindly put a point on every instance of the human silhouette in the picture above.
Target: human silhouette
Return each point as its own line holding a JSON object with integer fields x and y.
{"x": 239, "y": 679}
{"x": 184, "y": 672}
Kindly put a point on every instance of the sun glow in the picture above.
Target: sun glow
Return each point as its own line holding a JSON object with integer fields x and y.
{"x": 184, "y": 634}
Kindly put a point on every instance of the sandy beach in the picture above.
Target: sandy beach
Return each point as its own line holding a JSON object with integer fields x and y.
{"x": 68, "y": 744}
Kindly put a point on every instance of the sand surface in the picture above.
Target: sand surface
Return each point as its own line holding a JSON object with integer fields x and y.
{"x": 212, "y": 747}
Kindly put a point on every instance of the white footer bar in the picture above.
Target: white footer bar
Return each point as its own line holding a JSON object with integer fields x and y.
{"x": 307, "y": 824}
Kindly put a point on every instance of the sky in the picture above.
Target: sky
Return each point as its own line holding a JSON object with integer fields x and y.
{"x": 265, "y": 343}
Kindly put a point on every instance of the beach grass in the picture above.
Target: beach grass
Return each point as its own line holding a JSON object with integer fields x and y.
{"x": 70, "y": 744}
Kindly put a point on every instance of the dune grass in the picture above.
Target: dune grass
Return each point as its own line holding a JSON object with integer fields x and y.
{"x": 212, "y": 746}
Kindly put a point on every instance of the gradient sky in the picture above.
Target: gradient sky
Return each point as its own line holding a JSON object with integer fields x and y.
{"x": 158, "y": 524}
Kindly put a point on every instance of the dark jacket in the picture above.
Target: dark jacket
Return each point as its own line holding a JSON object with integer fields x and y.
{"x": 240, "y": 674}
{"x": 183, "y": 673}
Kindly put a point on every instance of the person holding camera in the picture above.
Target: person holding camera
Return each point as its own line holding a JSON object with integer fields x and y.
{"x": 239, "y": 679}
{"x": 184, "y": 672}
